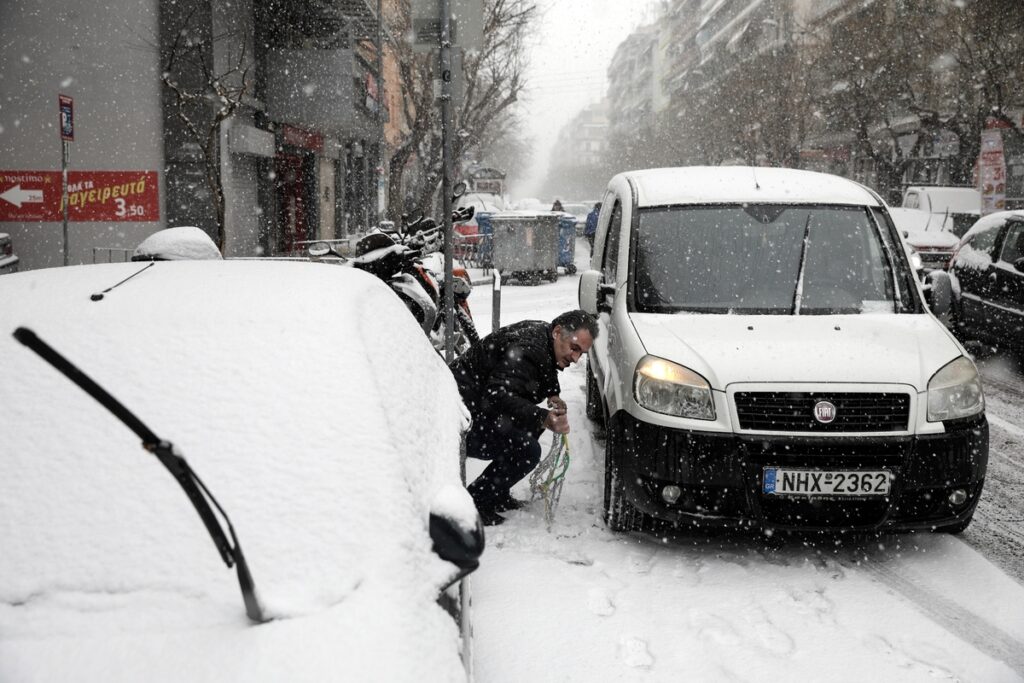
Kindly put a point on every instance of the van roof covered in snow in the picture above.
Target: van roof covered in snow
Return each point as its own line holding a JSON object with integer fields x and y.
{"x": 729, "y": 184}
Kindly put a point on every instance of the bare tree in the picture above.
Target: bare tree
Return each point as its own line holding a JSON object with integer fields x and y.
{"x": 493, "y": 80}
{"x": 203, "y": 96}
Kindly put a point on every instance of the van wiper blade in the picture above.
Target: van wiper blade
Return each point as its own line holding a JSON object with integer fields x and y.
{"x": 168, "y": 455}
{"x": 799, "y": 293}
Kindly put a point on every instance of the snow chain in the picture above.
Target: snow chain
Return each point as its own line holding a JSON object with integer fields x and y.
{"x": 547, "y": 479}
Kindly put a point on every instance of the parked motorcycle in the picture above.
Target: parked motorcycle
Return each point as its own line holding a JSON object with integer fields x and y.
{"x": 407, "y": 260}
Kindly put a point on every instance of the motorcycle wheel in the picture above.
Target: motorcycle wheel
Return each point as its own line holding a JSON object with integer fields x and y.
{"x": 465, "y": 323}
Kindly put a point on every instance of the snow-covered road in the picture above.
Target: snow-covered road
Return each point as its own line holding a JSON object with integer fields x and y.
{"x": 582, "y": 603}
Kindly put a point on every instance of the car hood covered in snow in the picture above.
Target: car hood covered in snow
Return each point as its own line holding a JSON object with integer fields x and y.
{"x": 726, "y": 349}
{"x": 296, "y": 391}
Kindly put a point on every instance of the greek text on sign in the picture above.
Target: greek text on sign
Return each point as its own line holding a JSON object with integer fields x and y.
{"x": 109, "y": 196}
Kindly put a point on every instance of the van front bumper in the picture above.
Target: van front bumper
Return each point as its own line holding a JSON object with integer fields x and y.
{"x": 720, "y": 477}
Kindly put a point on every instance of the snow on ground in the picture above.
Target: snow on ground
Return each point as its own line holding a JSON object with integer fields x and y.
{"x": 582, "y": 603}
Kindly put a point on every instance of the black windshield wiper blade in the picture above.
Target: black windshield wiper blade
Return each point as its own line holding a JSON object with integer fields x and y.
{"x": 166, "y": 453}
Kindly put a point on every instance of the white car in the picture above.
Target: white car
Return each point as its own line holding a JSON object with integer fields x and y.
{"x": 930, "y": 237}
{"x": 325, "y": 431}
{"x": 766, "y": 359}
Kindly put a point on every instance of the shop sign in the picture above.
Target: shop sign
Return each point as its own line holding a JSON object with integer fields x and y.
{"x": 102, "y": 196}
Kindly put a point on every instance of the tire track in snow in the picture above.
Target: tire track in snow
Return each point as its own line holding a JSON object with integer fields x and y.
{"x": 986, "y": 637}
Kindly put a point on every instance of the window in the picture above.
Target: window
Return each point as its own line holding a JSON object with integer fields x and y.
{"x": 985, "y": 241}
{"x": 764, "y": 258}
{"x": 911, "y": 201}
{"x": 1013, "y": 245}
{"x": 611, "y": 244}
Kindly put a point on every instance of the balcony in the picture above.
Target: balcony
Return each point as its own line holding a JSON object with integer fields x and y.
{"x": 319, "y": 90}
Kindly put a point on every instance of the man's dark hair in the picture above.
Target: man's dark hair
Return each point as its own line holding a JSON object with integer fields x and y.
{"x": 571, "y": 321}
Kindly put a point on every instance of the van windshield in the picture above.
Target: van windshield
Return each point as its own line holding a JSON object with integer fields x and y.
{"x": 761, "y": 259}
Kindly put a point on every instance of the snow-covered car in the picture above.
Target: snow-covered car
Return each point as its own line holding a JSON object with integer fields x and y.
{"x": 988, "y": 281}
{"x": 928, "y": 236}
{"x": 767, "y": 359}
{"x": 961, "y": 206}
{"x": 182, "y": 243}
{"x": 325, "y": 431}
{"x": 8, "y": 261}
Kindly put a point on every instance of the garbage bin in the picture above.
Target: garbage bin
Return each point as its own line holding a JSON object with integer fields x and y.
{"x": 567, "y": 242}
{"x": 486, "y": 230}
{"x": 524, "y": 245}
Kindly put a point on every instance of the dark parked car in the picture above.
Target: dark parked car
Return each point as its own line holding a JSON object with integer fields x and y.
{"x": 8, "y": 261}
{"x": 988, "y": 281}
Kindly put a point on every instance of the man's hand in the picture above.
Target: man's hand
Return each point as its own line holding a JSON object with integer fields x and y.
{"x": 557, "y": 419}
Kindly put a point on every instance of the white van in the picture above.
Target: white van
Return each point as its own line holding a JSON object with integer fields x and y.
{"x": 956, "y": 207}
{"x": 767, "y": 359}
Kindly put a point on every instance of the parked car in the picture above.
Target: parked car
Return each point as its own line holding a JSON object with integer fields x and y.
{"x": 929, "y": 238}
{"x": 181, "y": 243}
{"x": 767, "y": 359}
{"x": 295, "y": 391}
{"x": 8, "y": 261}
{"x": 988, "y": 281}
{"x": 962, "y": 205}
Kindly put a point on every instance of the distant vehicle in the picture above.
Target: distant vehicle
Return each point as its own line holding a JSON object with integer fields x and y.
{"x": 988, "y": 281}
{"x": 961, "y": 204}
{"x": 928, "y": 236}
{"x": 768, "y": 360}
{"x": 580, "y": 211}
{"x": 530, "y": 204}
{"x": 313, "y": 409}
{"x": 8, "y": 261}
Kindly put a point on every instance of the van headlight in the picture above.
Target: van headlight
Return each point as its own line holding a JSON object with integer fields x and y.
{"x": 668, "y": 388}
{"x": 955, "y": 391}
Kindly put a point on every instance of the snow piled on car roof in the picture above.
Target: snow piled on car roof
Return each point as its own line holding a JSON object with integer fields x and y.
{"x": 308, "y": 401}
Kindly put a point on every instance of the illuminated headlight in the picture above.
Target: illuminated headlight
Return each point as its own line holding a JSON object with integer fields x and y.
{"x": 671, "y": 389}
{"x": 915, "y": 259}
{"x": 955, "y": 391}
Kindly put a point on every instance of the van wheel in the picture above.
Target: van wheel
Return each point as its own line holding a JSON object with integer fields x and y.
{"x": 619, "y": 513}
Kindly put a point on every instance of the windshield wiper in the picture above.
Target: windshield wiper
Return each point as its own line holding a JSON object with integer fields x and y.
{"x": 166, "y": 453}
{"x": 800, "y": 273}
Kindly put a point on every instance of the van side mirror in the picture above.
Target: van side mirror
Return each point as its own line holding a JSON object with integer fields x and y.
{"x": 938, "y": 292}
{"x": 593, "y": 291}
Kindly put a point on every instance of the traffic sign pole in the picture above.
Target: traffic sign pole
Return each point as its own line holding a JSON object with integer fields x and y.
{"x": 66, "y": 106}
{"x": 446, "y": 183}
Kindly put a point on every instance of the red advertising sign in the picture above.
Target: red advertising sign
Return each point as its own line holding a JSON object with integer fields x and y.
{"x": 107, "y": 196}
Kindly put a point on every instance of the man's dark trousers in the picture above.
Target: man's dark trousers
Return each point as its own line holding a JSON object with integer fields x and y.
{"x": 513, "y": 453}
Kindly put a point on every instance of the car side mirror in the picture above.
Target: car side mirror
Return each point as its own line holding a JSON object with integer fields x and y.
{"x": 456, "y": 543}
{"x": 938, "y": 291}
{"x": 1019, "y": 264}
{"x": 318, "y": 249}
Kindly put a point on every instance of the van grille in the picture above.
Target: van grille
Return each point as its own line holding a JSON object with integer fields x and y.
{"x": 794, "y": 411}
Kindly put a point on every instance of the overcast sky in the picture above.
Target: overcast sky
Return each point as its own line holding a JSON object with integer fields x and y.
{"x": 568, "y": 63}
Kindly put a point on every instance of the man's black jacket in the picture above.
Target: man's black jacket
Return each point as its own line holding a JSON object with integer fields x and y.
{"x": 508, "y": 373}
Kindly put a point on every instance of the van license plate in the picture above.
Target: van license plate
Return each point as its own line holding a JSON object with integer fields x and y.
{"x": 795, "y": 482}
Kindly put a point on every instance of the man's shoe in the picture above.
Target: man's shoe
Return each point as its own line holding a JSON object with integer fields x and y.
{"x": 507, "y": 503}
{"x": 490, "y": 517}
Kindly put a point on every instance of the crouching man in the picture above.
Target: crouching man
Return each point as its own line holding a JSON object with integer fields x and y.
{"x": 502, "y": 380}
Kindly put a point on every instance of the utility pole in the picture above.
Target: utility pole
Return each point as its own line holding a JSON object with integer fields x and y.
{"x": 446, "y": 179}
{"x": 381, "y": 142}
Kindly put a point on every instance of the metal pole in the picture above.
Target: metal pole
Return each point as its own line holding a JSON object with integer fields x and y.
{"x": 381, "y": 146}
{"x": 495, "y": 300}
{"x": 64, "y": 149}
{"x": 446, "y": 181}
